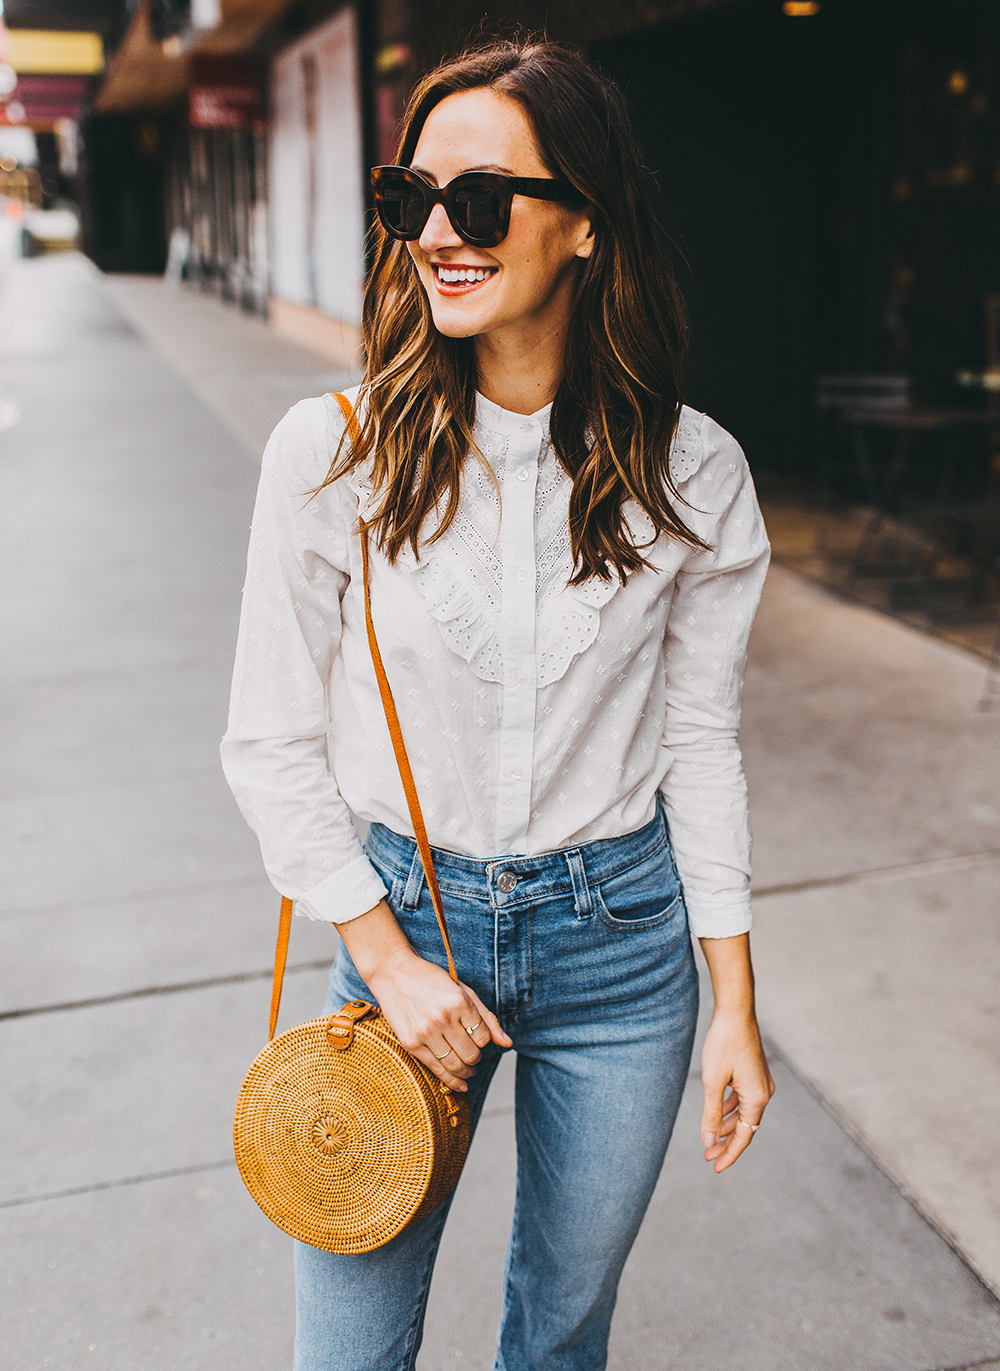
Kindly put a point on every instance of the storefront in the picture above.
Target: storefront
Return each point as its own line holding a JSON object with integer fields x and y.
{"x": 316, "y": 188}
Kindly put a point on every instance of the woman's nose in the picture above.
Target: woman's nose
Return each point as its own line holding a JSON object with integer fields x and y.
{"x": 438, "y": 232}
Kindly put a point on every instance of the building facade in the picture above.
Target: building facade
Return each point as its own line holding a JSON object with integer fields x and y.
{"x": 830, "y": 171}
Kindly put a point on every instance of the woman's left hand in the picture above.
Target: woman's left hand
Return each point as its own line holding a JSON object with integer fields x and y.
{"x": 733, "y": 1060}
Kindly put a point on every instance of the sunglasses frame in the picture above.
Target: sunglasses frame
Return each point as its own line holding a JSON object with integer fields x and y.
{"x": 503, "y": 186}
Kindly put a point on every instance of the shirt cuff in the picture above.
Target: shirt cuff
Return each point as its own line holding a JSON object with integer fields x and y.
{"x": 346, "y": 895}
{"x": 718, "y": 915}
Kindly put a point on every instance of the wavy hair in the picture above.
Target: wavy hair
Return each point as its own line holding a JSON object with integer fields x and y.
{"x": 616, "y": 408}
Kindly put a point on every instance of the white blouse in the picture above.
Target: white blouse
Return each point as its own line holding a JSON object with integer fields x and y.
{"x": 537, "y": 715}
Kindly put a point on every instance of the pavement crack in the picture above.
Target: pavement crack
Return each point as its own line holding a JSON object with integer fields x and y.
{"x": 96, "y": 787}
{"x": 877, "y": 875}
{"x": 134, "y": 897}
{"x": 174, "y": 988}
{"x": 991, "y": 1365}
{"x": 192, "y": 1170}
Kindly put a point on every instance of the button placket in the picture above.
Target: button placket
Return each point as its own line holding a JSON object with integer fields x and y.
{"x": 517, "y": 635}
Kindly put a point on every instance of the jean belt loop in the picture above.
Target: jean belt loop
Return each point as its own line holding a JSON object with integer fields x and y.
{"x": 578, "y": 876}
{"x": 414, "y": 882}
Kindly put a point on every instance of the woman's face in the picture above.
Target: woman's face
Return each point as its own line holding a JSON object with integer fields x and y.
{"x": 530, "y": 277}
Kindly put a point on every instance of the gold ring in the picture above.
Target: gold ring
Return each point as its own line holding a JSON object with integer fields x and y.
{"x": 473, "y": 1028}
{"x": 443, "y": 1055}
{"x": 752, "y": 1126}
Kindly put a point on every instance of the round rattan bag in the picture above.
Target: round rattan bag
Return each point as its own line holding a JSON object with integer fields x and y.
{"x": 342, "y": 1137}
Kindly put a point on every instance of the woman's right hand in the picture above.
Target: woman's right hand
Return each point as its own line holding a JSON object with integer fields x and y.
{"x": 443, "y": 1024}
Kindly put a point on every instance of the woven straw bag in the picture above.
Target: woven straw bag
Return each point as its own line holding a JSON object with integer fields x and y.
{"x": 341, "y": 1136}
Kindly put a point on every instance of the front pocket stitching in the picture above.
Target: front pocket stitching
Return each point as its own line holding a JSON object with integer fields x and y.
{"x": 606, "y": 917}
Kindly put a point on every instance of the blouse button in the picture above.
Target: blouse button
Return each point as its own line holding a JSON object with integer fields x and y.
{"x": 527, "y": 426}
{"x": 522, "y": 473}
{"x": 522, "y": 678}
{"x": 517, "y": 774}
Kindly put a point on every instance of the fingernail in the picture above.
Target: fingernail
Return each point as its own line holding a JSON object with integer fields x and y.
{"x": 709, "y": 1139}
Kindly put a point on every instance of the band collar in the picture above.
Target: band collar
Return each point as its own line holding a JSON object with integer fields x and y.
{"x": 506, "y": 424}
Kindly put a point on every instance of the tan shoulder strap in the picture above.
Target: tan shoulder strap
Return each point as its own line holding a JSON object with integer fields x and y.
{"x": 405, "y": 775}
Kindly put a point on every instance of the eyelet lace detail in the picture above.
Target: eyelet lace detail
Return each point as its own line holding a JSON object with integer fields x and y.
{"x": 685, "y": 451}
{"x": 460, "y": 574}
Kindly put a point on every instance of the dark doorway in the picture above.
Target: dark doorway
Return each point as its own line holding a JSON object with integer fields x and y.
{"x": 122, "y": 192}
{"x": 774, "y": 142}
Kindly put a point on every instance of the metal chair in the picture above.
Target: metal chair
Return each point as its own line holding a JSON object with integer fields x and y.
{"x": 843, "y": 461}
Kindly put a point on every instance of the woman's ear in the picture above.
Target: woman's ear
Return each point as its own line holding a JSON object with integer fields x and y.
{"x": 585, "y": 247}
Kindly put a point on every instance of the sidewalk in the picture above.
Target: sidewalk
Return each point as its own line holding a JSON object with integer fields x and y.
{"x": 136, "y": 929}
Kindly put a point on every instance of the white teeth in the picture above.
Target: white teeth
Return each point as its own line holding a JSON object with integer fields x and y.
{"x": 454, "y": 276}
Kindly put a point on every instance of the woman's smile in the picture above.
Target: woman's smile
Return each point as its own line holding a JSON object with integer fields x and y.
{"x": 460, "y": 278}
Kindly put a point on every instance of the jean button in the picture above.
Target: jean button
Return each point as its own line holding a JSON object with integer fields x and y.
{"x": 506, "y": 881}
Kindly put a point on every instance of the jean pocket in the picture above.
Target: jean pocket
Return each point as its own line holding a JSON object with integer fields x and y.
{"x": 643, "y": 896}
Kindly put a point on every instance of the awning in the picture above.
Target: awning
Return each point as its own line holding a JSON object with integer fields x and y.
{"x": 145, "y": 75}
{"x": 45, "y": 99}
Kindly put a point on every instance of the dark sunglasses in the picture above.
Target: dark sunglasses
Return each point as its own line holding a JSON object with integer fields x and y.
{"x": 477, "y": 203}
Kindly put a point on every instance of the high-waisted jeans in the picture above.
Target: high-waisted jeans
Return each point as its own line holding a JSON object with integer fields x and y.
{"x": 587, "y": 962}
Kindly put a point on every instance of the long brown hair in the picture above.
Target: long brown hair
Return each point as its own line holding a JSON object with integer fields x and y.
{"x": 617, "y": 406}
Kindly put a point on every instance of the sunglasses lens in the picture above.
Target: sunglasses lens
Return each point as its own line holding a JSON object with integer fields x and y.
{"x": 402, "y": 207}
{"x": 477, "y": 212}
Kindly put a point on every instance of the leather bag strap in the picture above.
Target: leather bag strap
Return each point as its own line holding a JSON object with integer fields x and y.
{"x": 395, "y": 731}
{"x": 405, "y": 775}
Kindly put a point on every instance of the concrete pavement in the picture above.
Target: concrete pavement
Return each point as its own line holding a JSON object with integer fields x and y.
{"x": 136, "y": 929}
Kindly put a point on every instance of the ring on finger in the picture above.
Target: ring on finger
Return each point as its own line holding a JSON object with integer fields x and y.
{"x": 443, "y": 1055}
{"x": 752, "y": 1126}
{"x": 472, "y": 1030}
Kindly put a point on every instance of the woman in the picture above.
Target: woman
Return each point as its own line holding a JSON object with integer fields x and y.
{"x": 565, "y": 568}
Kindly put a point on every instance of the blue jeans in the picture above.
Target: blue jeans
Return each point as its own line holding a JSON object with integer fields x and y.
{"x": 588, "y": 964}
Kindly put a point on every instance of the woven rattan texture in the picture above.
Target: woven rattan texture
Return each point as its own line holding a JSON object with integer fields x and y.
{"x": 342, "y": 1149}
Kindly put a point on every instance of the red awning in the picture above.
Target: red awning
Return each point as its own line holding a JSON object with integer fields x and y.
{"x": 46, "y": 98}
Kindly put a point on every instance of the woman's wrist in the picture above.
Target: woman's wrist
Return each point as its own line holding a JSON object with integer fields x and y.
{"x": 735, "y": 1010}
{"x": 732, "y": 977}
{"x": 377, "y": 944}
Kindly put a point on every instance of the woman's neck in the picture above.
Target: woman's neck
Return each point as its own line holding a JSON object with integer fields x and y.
{"x": 520, "y": 369}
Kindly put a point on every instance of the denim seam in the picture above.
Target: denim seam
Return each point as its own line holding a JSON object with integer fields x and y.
{"x": 410, "y": 1351}
{"x": 512, "y": 1246}
{"x": 531, "y": 963}
{"x": 519, "y": 1006}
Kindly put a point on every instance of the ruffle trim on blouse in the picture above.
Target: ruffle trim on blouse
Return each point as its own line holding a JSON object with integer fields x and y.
{"x": 470, "y": 628}
{"x": 460, "y": 594}
{"x": 570, "y": 626}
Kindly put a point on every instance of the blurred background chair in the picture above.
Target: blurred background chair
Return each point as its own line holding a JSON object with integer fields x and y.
{"x": 845, "y": 468}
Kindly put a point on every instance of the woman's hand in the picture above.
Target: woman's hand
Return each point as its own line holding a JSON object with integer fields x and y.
{"x": 732, "y": 1057}
{"x": 443, "y": 1024}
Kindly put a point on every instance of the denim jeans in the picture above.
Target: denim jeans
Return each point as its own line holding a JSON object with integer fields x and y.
{"x": 588, "y": 964}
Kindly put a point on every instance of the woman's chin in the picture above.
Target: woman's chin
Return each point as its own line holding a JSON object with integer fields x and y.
{"x": 457, "y": 320}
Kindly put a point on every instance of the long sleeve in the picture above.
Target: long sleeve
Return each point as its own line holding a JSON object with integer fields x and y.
{"x": 274, "y": 753}
{"x": 714, "y": 601}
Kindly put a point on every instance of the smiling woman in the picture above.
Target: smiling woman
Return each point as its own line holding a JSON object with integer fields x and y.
{"x": 563, "y": 564}
{"x": 575, "y": 300}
